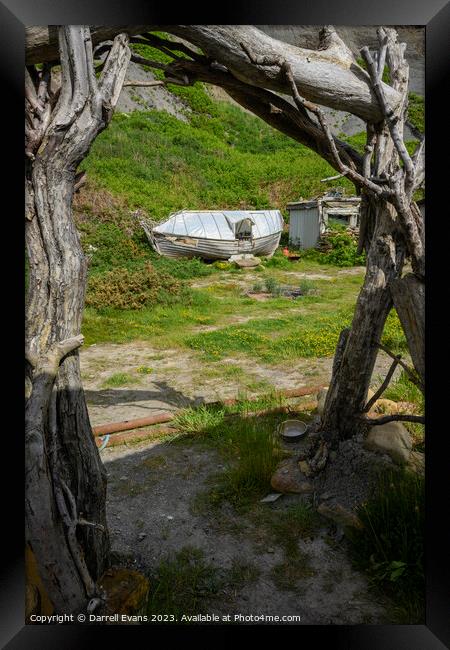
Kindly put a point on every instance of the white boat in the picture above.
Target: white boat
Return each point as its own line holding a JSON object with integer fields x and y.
{"x": 218, "y": 234}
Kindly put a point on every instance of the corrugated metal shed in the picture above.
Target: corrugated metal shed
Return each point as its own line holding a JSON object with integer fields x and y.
{"x": 304, "y": 223}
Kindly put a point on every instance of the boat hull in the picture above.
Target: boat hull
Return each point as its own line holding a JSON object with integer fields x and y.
{"x": 214, "y": 249}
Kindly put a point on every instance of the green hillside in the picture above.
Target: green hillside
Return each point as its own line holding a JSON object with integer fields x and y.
{"x": 222, "y": 158}
{"x": 154, "y": 163}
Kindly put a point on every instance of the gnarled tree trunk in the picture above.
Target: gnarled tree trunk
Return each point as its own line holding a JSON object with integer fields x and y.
{"x": 65, "y": 479}
{"x": 351, "y": 377}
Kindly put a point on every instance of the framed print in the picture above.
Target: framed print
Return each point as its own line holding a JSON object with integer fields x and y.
{"x": 226, "y": 333}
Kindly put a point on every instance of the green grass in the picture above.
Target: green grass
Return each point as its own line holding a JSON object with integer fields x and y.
{"x": 416, "y": 111}
{"x": 249, "y": 445}
{"x": 287, "y": 526}
{"x": 276, "y": 339}
{"x": 391, "y": 545}
{"x": 273, "y": 333}
{"x": 120, "y": 379}
{"x": 198, "y": 420}
{"x": 160, "y": 164}
{"x": 183, "y": 584}
{"x": 187, "y": 584}
{"x": 288, "y": 573}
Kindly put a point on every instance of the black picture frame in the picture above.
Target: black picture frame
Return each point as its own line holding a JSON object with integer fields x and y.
{"x": 435, "y": 16}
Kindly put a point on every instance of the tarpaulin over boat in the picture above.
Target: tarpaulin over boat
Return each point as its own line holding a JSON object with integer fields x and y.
{"x": 223, "y": 224}
{"x": 216, "y": 234}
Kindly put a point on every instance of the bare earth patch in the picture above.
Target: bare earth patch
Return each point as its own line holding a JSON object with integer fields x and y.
{"x": 152, "y": 489}
{"x": 179, "y": 378}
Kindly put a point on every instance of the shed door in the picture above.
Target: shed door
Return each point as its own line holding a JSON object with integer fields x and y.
{"x": 304, "y": 227}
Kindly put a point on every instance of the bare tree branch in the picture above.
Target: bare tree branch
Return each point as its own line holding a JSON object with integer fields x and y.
{"x": 145, "y": 83}
{"x": 391, "y": 118}
{"x": 399, "y": 417}
{"x": 410, "y": 372}
{"x": 383, "y": 386}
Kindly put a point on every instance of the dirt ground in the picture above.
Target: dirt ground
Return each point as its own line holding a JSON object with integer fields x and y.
{"x": 152, "y": 489}
{"x": 178, "y": 379}
{"x": 153, "y": 486}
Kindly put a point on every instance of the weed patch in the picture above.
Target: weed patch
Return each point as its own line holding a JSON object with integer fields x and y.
{"x": 183, "y": 584}
{"x": 120, "y": 379}
{"x": 391, "y": 545}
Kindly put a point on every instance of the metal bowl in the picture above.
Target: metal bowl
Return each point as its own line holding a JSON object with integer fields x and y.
{"x": 293, "y": 430}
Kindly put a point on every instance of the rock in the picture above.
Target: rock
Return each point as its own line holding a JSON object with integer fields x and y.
{"x": 270, "y": 498}
{"x": 245, "y": 260}
{"x": 126, "y": 591}
{"x": 305, "y": 468}
{"x": 288, "y": 478}
{"x": 385, "y": 406}
{"x": 339, "y": 515}
{"x": 416, "y": 462}
{"x": 392, "y": 439}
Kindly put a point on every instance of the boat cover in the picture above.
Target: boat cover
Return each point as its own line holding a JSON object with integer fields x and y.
{"x": 221, "y": 224}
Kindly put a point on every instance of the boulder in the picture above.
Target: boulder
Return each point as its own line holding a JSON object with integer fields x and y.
{"x": 288, "y": 478}
{"x": 339, "y": 515}
{"x": 385, "y": 406}
{"x": 305, "y": 467}
{"x": 126, "y": 591}
{"x": 392, "y": 439}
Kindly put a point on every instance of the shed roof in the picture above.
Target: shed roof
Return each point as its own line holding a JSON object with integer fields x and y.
{"x": 220, "y": 224}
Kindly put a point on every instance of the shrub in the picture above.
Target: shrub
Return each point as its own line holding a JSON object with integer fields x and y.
{"x": 343, "y": 249}
{"x": 273, "y": 287}
{"x": 132, "y": 289}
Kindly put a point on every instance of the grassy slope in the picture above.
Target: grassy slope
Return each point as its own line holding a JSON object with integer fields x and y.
{"x": 222, "y": 157}
{"x": 226, "y": 160}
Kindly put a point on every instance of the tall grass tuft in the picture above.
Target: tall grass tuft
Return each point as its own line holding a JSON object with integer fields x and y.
{"x": 390, "y": 547}
{"x": 254, "y": 452}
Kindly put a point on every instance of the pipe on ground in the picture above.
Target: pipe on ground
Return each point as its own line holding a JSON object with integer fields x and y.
{"x": 162, "y": 418}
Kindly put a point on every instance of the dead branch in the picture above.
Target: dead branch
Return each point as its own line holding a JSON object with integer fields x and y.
{"x": 80, "y": 180}
{"x": 411, "y": 374}
{"x": 392, "y": 119}
{"x": 147, "y": 84}
{"x": 169, "y": 47}
{"x": 419, "y": 165}
{"x": 419, "y": 419}
{"x": 302, "y": 105}
{"x": 383, "y": 386}
{"x": 137, "y": 58}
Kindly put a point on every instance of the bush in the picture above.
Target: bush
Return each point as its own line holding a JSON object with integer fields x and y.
{"x": 390, "y": 547}
{"x": 108, "y": 246}
{"x": 343, "y": 249}
{"x": 132, "y": 289}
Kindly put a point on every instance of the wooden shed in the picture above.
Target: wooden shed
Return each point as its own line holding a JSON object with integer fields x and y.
{"x": 309, "y": 219}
